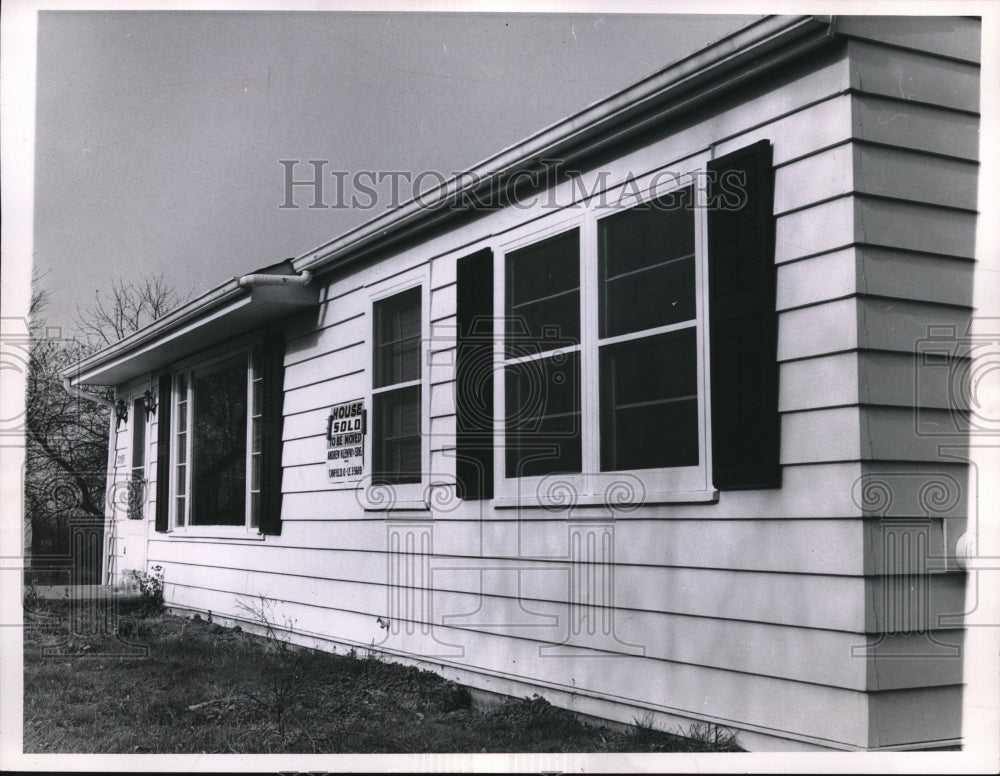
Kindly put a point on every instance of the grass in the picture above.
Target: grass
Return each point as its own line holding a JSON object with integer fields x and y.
{"x": 202, "y": 687}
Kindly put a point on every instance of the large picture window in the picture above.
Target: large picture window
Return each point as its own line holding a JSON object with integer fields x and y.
{"x": 221, "y": 432}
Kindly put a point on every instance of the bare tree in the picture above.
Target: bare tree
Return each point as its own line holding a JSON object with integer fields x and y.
{"x": 67, "y": 436}
{"x": 124, "y": 308}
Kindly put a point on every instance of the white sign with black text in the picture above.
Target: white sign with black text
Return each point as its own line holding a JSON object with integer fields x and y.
{"x": 345, "y": 441}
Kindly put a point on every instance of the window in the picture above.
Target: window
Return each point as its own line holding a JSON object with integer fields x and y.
{"x": 137, "y": 482}
{"x": 648, "y": 361}
{"x": 542, "y": 372}
{"x": 211, "y": 435}
{"x": 641, "y": 354}
{"x": 220, "y": 431}
{"x": 606, "y": 338}
{"x": 396, "y": 397}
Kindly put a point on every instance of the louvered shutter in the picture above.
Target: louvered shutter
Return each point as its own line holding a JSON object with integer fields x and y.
{"x": 163, "y": 406}
{"x": 742, "y": 320}
{"x": 272, "y": 372}
{"x": 474, "y": 376}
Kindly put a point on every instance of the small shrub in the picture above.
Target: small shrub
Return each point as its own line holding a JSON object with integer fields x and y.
{"x": 150, "y": 588}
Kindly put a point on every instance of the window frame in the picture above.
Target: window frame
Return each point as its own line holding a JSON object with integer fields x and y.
{"x": 689, "y": 484}
{"x": 206, "y": 363}
{"x": 412, "y": 496}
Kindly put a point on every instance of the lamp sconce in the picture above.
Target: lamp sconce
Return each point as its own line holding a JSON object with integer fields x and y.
{"x": 149, "y": 402}
{"x": 121, "y": 412}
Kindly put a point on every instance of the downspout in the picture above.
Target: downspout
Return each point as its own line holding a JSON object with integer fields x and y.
{"x": 72, "y": 390}
{"x": 263, "y": 279}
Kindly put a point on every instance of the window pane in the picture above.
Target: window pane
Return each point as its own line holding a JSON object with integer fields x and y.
{"x": 647, "y": 270}
{"x": 397, "y": 339}
{"x": 220, "y": 446}
{"x": 649, "y": 402}
{"x": 396, "y": 443}
{"x": 543, "y": 293}
{"x": 543, "y": 416}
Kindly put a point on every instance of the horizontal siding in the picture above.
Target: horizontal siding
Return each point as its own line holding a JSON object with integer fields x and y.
{"x": 919, "y": 277}
{"x": 903, "y": 326}
{"x": 915, "y": 227}
{"x": 952, "y": 37}
{"x": 911, "y": 175}
{"x": 796, "y": 653}
{"x": 916, "y": 170}
{"x": 817, "y": 279}
{"x": 808, "y": 546}
{"x": 894, "y": 121}
{"x": 821, "y": 229}
{"x": 913, "y": 76}
{"x": 928, "y": 715}
{"x": 818, "y": 330}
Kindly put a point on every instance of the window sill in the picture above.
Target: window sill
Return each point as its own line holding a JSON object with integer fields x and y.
{"x": 599, "y": 500}
{"x": 216, "y": 532}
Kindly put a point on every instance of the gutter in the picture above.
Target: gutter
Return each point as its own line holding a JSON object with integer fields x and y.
{"x": 189, "y": 313}
{"x": 264, "y": 279}
{"x": 72, "y": 390}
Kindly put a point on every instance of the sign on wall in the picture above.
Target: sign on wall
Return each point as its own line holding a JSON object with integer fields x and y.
{"x": 345, "y": 441}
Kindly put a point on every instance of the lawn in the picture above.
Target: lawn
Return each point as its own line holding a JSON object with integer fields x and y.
{"x": 202, "y": 687}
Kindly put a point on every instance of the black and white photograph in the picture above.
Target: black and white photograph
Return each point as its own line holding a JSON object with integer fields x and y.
{"x": 565, "y": 387}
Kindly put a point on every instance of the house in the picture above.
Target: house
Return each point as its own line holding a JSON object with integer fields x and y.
{"x": 659, "y": 411}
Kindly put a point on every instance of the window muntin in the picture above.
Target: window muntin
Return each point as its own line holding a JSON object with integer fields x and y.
{"x": 213, "y": 448}
{"x": 396, "y": 391}
{"x": 542, "y": 347}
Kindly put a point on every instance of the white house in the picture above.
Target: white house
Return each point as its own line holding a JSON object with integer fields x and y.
{"x": 658, "y": 411}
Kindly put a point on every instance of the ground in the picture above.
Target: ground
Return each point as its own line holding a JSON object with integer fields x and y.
{"x": 121, "y": 678}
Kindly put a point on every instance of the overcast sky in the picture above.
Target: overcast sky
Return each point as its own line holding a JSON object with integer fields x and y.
{"x": 159, "y": 134}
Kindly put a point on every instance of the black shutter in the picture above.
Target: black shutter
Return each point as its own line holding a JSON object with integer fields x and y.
{"x": 272, "y": 372}
{"x": 474, "y": 377}
{"x": 163, "y": 407}
{"x": 743, "y": 329}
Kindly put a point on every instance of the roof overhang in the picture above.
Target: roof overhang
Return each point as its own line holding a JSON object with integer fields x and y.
{"x": 220, "y": 315}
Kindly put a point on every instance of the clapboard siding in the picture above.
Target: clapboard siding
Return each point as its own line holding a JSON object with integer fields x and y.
{"x": 913, "y": 76}
{"x": 921, "y": 277}
{"x": 933, "y": 714}
{"x": 915, "y": 222}
{"x": 790, "y": 546}
{"x": 820, "y": 229}
{"x": 303, "y": 502}
{"x": 946, "y": 36}
{"x": 897, "y": 122}
{"x": 915, "y": 227}
{"x": 817, "y": 279}
{"x": 821, "y": 329}
{"x": 911, "y": 175}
